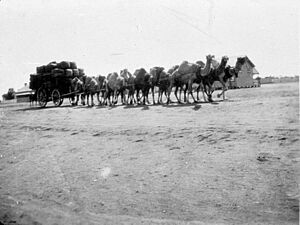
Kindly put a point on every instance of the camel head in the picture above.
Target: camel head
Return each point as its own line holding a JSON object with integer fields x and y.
{"x": 76, "y": 84}
{"x": 225, "y": 59}
{"x": 125, "y": 74}
{"x": 155, "y": 73}
{"x": 101, "y": 79}
{"x": 209, "y": 58}
{"x": 156, "y": 70}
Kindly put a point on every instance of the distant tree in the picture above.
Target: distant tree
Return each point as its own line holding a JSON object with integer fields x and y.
{"x": 10, "y": 94}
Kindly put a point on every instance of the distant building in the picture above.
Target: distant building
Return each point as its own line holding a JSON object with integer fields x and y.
{"x": 23, "y": 94}
{"x": 266, "y": 80}
{"x": 286, "y": 79}
{"x": 245, "y": 76}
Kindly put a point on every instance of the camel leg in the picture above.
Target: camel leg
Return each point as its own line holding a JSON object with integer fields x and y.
{"x": 137, "y": 96}
{"x": 109, "y": 98}
{"x": 160, "y": 93}
{"x": 98, "y": 98}
{"x": 123, "y": 96}
{"x": 132, "y": 97}
{"x": 171, "y": 85}
{"x": 144, "y": 97}
{"x": 203, "y": 94}
{"x": 129, "y": 96}
{"x": 87, "y": 99}
{"x": 198, "y": 91}
{"x": 223, "y": 90}
{"x": 153, "y": 99}
{"x": 180, "y": 91}
{"x": 166, "y": 95}
{"x": 115, "y": 99}
{"x": 190, "y": 92}
{"x": 201, "y": 87}
{"x": 184, "y": 92}
{"x": 147, "y": 94}
{"x": 83, "y": 99}
{"x": 76, "y": 99}
{"x": 175, "y": 92}
{"x": 92, "y": 100}
{"x": 209, "y": 92}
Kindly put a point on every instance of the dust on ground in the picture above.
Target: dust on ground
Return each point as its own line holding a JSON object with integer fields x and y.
{"x": 230, "y": 162}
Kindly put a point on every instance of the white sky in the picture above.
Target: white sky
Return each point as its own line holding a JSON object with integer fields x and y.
{"x": 106, "y": 36}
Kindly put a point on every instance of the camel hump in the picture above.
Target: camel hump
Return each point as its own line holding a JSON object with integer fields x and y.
{"x": 200, "y": 63}
{"x": 140, "y": 72}
{"x": 112, "y": 76}
{"x": 185, "y": 67}
{"x": 171, "y": 70}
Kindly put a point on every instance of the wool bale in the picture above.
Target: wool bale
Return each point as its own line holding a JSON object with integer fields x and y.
{"x": 33, "y": 81}
{"x": 81, "y": 72}
{"x": 58, "y": 72}
{"x": 63, "y": 65}
{"x": 73, "y": 65}
{"x": 75, "y": 72}
{"x": 69, "y": 72}
{"x": 40, "y": 69}
{"x": 50, "y": 66}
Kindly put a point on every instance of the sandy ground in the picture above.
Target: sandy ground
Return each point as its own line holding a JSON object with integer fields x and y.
{"x": 230, "y": 162}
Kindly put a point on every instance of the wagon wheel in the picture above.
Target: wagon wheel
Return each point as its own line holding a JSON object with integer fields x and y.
{"x": 56, "y": 98}
{"x": 42, "y": 97}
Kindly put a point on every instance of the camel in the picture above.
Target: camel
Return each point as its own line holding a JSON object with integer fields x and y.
{"x": 142, "y": 82}
{"x": 198, "y": 80}
{"x": 114, "y": 87}
{"x": 214, "y": 75}
{"x": 33, "y": 99}
{"x": 172, "y": 69}
{"x": 91, "y": 87}
{"x": 186, "y": 74}
{"x": 77, "y": 86}
{"x": 221, "y": 74}
{"x": 160, "y": 79}
{"x": 129, "y": 85}
{"x": 102, "y": 87}
{"x": 163, "y": 85}
{"x": 88, "y": 87}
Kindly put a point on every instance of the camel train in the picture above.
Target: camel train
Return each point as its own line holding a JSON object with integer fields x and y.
{"x": 135, "y": 88}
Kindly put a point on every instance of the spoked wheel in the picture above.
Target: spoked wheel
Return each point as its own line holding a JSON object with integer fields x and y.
{"x": 42, "y": 97}
{"x": 56, "y": 98}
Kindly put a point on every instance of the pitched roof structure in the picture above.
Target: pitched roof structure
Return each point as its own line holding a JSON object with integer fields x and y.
{"x": 24, "y": 90}
{"x": 232, "y": 61}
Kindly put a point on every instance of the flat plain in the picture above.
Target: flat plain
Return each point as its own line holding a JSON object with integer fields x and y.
{"x": 228, "y": 162}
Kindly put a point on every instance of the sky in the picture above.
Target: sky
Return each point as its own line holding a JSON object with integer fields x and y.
{"x": 107, "y": 36}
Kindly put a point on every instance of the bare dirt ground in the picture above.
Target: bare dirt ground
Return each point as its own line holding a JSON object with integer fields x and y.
{"x": 231, "y": 162}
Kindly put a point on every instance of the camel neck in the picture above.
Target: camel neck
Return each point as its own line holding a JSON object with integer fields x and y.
{"x": 207, "y": 68}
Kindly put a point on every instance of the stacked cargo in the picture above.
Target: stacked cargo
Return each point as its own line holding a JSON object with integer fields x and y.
{"x": 63, "y": 72}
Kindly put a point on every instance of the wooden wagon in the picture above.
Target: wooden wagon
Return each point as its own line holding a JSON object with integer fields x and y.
{"x": 51, "y": 87}
{"x": 53, "y": 82}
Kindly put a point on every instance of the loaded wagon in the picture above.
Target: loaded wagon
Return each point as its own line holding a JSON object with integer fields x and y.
{"x": 53, "y": 82}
